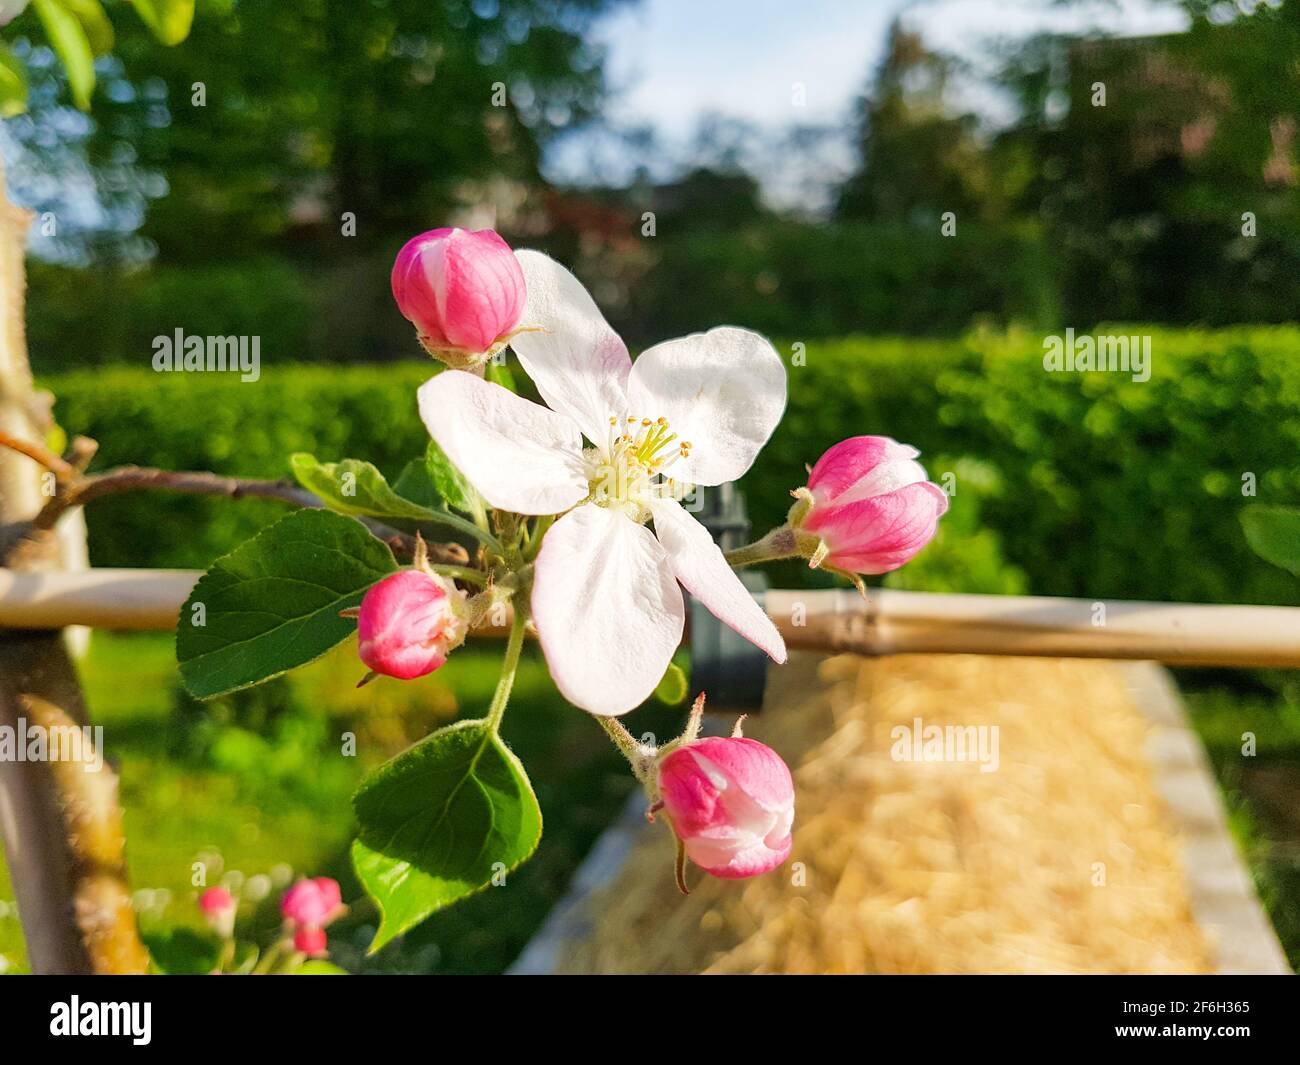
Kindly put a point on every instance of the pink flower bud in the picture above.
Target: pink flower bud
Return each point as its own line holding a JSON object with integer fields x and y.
{"x": 218, "y": 906}
{"x": 216, "y": 900}
{"x": 408, "y": 623}
{"x": 871, "y": 505}
{"x": 312, "y": 903}
{"x": 731, "y": 803}
{"x": 311, "y": 941}
{"x": 463, "y": 291}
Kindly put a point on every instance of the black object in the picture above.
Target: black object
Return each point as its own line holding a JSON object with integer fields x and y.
{"x": 727, "y": 667}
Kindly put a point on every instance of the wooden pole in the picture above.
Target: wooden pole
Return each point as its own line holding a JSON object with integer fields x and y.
{"x": 887, "y": 622}
{"x": 61, "y": 821}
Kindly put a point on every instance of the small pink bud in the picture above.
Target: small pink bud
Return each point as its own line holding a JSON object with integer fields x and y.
{"x": 311, "y": 941}
{"x": 218, "y": 906}
{"x": 731, "y": 803}
{"x": 464, "y": 291}
{"x": 216, "y": 900}
{"x": 871, "y": 505}
{"x": 312, "y": 903}
{"x": 408, "y": 623}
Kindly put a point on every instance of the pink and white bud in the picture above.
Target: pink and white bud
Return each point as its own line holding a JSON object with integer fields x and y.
{"x": 464, "y": 292}
{"x": 731, "y": 803}
{"x": 312, "y": 903}
{"x": 218, "y": 906}
{"x": 408, "y": 623}
{"x": 869, "y": 503}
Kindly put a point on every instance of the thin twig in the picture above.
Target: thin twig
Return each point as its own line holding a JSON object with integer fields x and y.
{"x": 76, "y": 489}
{"x": 63, "y": 471}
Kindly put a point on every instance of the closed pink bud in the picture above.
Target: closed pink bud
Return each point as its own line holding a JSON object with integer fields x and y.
{"x": 463, "y": 291}
{"x": 731, "y": 803}
{"x": 407, "y": 624}
{"x": 218, "y": 906}
{"x": 871, "y": 505}
{"x": 312, "y": 903}
{"x": 215, "y": 901}
{"x": 311, "y": 941}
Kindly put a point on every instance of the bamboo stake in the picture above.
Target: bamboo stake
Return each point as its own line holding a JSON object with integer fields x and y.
{"x": 887, "y": 622}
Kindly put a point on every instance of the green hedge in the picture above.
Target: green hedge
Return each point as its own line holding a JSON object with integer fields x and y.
{"x": 1066, "y": 484}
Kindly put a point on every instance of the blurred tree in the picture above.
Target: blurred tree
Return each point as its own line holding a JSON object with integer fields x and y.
{"x": 284, "y": 117}
{"x": 1166, "y": 168}
{"x": 918, "y": 158}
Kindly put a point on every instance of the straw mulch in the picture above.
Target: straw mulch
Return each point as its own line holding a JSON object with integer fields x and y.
{"x": 1061, "y": 861}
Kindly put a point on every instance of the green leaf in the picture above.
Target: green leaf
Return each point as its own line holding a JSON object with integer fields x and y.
{"x": 183, "y": 951}
{"x": 672, "y": 688}
{"x": 69, "y": 40}
{"x": 273, "y": 603}
{"x": 439, "y": 821}
{"x": 449, "y": 481}
{"x": 94, "y": 20}
{"x": 168, "y": 19}
{"x": 320, "y": 967}
{"x": 1274, "y": 534}
{"x": 13, "y": 84}
{"x": 415, "y": 484}
{"x": 355, "y": 487}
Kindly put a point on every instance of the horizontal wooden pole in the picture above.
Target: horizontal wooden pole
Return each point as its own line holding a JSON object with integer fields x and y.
{"x": 888, "y": 622}
{"x": 140, "y": 599}
{"x": 894, "y": 622}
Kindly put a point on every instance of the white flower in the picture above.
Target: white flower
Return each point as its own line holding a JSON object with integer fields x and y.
{"x": 693, "y": 411}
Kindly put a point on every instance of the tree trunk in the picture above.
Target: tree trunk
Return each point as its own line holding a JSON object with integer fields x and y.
{"x": 61, "y": 821}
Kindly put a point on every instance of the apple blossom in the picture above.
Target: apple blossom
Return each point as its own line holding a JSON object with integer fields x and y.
{"x": 692, "y": 411}
{"x": 463, "y": 291}
{"x": 312, "y": 903}
{"x": 869, "y": 505}
{"x": 408, "y": 623}
{"x": 730, "y": 801}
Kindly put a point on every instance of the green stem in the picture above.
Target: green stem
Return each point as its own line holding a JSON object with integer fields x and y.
{"x": 268, "y": 960}
{"x": 626, "y": 743}
{"x": 509, "y": 667}
{"x": 469, "y": 528}
{"x": 780, "y": 543}
{"x": 463, "y": 573}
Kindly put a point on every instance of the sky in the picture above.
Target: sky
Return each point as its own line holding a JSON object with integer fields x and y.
{"x": 672, "y": 61}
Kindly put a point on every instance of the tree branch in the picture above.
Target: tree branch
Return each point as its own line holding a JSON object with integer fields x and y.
{"x": 63, "y": 471}
{"x": 76, "y": 489}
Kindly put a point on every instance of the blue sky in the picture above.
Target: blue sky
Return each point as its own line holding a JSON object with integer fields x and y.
{"x": 671, "y": 61}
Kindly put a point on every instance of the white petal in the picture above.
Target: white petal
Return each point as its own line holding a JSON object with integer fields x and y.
{"x": 577, "y": 362}
{"x": 723, "y": 391}
{"x": 519, "y": 455}
{"x": 609, "y": 613}
{"x": 698, "y": 563}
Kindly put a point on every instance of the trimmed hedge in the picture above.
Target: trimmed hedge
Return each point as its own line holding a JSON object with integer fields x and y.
{"x": 1085, "y": 484}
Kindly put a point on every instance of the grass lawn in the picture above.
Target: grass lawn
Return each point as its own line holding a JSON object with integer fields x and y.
{"x": 258, "y": 787}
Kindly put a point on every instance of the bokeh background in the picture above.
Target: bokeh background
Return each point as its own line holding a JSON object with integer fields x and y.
{"x": 783, "y": 167}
